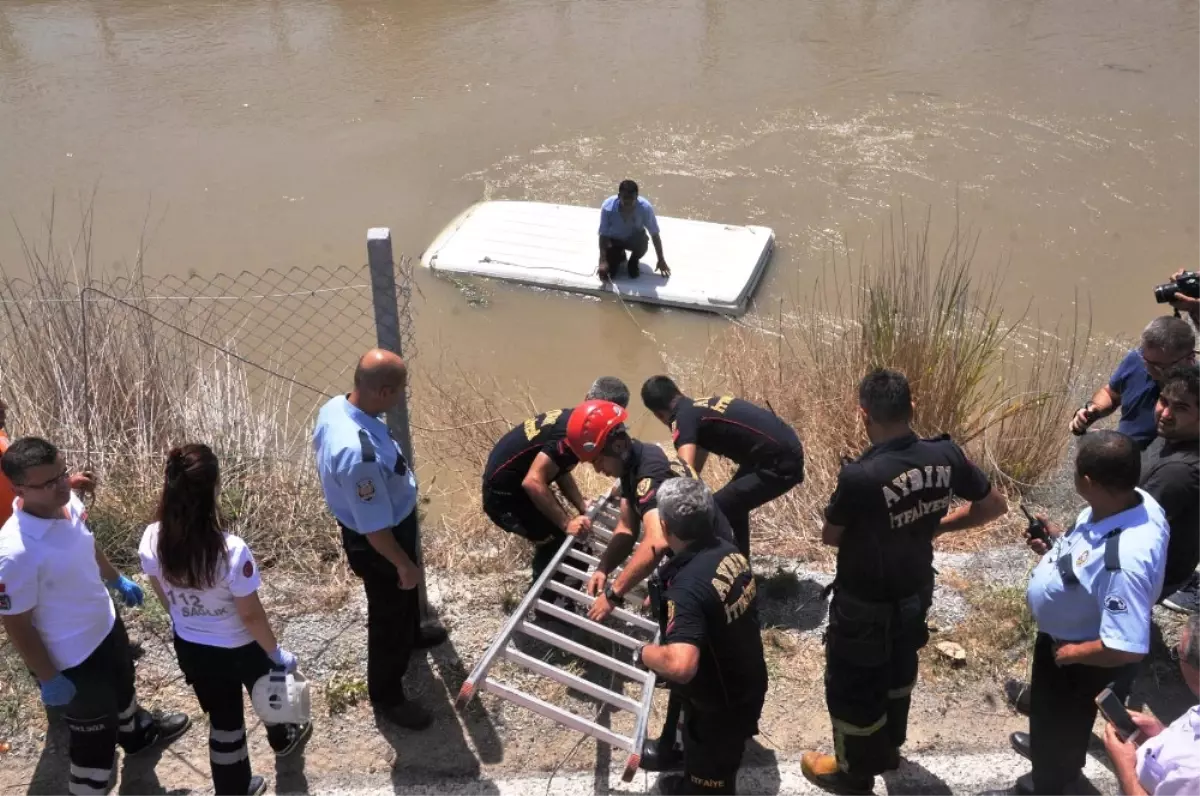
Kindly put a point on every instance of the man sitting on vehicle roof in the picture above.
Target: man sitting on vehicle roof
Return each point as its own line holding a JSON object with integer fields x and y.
{"x": 625, "y": 220}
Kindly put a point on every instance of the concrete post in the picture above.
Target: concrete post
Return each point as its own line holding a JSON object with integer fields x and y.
{"x": 387, "y": 332}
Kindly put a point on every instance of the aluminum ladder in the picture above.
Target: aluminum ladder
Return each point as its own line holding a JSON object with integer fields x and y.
{"x": 575, "y": 560}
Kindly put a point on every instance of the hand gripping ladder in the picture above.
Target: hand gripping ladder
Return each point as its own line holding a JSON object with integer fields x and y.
{"x": 575, "y": 563}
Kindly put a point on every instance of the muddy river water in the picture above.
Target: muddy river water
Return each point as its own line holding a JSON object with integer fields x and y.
{"x": 271, "y": 133}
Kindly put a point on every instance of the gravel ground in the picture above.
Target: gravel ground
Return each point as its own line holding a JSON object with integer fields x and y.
{"x": 954, "y": 711}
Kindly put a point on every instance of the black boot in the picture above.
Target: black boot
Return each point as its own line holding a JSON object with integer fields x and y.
{"x": 657, "y": 756}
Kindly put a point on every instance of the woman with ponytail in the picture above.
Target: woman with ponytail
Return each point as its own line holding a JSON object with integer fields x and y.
{"x": 208, "y": 581}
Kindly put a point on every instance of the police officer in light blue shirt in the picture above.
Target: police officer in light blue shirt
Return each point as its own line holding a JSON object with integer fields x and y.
{"x": 1091, "y": 596}
{"x": 624, "y": 221}
{"x": 372, "y": 493}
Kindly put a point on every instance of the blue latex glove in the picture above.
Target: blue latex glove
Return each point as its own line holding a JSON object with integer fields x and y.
{"x": 283, "y": 659}
{"x": 57, "y": 691}
{"x": 131, "y": 593}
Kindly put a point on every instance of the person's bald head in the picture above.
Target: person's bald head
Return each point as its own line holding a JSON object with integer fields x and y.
{"x": 379, "y": 380}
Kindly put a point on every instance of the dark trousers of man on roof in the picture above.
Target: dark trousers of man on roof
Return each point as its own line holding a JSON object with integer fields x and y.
{"x": 750, "y": 488}
{"x": 870, "y": 670}
{"x": 637, "y": 247}
{"x": 393, "y": 614}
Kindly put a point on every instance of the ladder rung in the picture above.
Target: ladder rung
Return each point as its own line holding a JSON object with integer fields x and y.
{"x": 587, "y": 653}
{"x": 595, "y": 628}
{"x": 604, "y": 533}
{"x": 564, "y": 717}
{"x": 579, "y": 555}
{"x": 620, "y": 613}
{"x": 572, "y": 572}
{"x": 572, "y": 680}
{"x": 591, "y": 561}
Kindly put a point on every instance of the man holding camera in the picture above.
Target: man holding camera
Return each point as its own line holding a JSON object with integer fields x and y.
{"x": 1162, "y": 760}
{"x": 1134, "y": 386}
{"x": 1182, "y": 293}
{"x": 1091, "y": 596}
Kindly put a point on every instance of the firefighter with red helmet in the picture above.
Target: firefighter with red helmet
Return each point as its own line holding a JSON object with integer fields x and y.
{"x": 596, "y": 433}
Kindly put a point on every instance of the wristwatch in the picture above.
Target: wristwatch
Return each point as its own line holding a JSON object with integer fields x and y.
{"x": 613, "y": 599}
{"x": 637, "y": 656}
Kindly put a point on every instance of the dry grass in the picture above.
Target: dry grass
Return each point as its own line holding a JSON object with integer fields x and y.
{"x": 997, "y": 634}
{"x": 115, "y": 391}
{"x": 1000, "y": 389}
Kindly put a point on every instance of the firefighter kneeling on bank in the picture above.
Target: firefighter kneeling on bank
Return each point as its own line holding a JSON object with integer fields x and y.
{"x": 712, "y": 651}
{"x": 888, "y": 507}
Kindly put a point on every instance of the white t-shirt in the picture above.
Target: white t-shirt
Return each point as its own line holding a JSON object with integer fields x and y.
{"x": 208, "y": 616}
{"x": 49, "y": 567}
{"x": 1169, "y": 763}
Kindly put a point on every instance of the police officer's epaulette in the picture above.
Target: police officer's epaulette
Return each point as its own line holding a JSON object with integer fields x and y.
{"x": 368, "y": 448}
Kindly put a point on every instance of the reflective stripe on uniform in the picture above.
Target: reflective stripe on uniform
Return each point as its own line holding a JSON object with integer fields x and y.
{"x": 95, "y": 774}
{"x": 226, "y": 736}
{"x": 227, "y": 758}
{"x": 902, "y": 691}
{"x": 846, "y": 728}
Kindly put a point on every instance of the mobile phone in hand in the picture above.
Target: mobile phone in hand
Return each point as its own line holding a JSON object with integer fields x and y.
{"x": 1114, "y": 710}
{"x": 1037, "y": 528}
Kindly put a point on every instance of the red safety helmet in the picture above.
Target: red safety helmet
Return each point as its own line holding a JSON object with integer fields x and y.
{"x": 590, "y": 425}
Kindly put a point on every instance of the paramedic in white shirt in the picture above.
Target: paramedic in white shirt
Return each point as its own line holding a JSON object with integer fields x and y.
{"x": 1166, "y": 760}
{"x": 207, "y": 580}
{"x": 59, "y": 616}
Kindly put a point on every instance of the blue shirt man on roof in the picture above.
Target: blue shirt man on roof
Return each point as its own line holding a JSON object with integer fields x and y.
{"x": 372, "y": 492}
{"x": 625, "y": 220}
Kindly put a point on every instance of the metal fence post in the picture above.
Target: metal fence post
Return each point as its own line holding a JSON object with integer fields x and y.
{"x": 387, "y": 332}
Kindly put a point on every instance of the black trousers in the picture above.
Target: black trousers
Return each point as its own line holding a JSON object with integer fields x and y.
{"x": 749, "y": 489}
{"x": 870, "y": 670}
{"x": 1061, "y": 712}
{"x": 217, "y": 675}
{"x": 516, "y": 513}
{"x": 393, "y": 614}
{"x": 614, "y": 255}
{"x": 103, "y": 713}
{"x": 713, "y": 744}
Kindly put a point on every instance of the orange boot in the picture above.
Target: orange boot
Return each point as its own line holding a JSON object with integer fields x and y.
{"x": 822, "y": 771}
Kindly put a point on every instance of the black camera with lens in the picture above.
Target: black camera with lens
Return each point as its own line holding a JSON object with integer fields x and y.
{"x": 1187, "y": 283}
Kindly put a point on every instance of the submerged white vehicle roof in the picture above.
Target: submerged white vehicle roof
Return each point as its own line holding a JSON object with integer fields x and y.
{"x": 714, "y": 267}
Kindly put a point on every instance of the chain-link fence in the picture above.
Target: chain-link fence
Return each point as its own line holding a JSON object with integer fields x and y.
{"x": 116, "y": 370}
{"x": 91, "y": 363}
